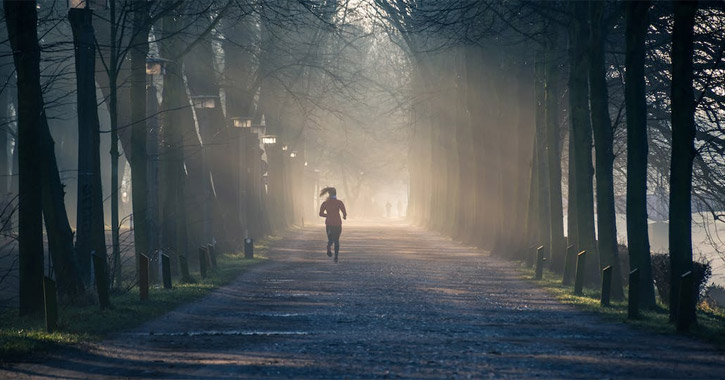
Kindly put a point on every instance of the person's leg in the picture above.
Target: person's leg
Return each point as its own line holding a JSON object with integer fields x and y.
{"x": 330, "y": 239}
{"x": 338, "y": 232}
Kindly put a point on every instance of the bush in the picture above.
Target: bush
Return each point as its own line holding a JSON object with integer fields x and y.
{"x": 661, "y": 276}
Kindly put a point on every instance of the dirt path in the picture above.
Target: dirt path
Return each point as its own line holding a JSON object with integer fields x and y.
{"x": 402, "y": 303}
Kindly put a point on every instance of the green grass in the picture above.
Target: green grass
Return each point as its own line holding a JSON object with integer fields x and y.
{"x": 20, "y": 336}
{"x": 711, "y": 320}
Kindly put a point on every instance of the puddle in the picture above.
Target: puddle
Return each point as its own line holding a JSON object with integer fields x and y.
{"x": 224, "y": 333}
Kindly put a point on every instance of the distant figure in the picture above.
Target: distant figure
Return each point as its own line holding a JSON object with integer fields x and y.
{"x": 388, "y": 206}
{"x": 400, "y": 208}
{"x": 330, "y": 210}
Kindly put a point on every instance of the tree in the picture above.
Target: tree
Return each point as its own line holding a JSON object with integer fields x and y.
{"x": 41, "y": 187}
{"x": 603, "y": 143}
{"x": 90, "y": 226}
{"x": 683, "y": 154}
{"x": 581, "y": 128}
{"x": 21, "y": 19}
{"x": 636, "y": 13}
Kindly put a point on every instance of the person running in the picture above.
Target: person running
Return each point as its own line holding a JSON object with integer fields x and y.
{"x": 330, "y": 210}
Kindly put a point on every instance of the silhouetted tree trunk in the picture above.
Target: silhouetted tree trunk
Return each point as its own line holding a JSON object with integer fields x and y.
{"x": 637, "y": 147}
{"x": 557, "y": 245}
{"x": 683, "y": 153}
{"x": 542, "y": 179}
{"x": 90, "y": 226}
{"x": 582, "y": 134}
{"x": 40, "y": 185}
{"x": 178, "y": 130}
{"x": 603, "y": 142}
{"x": 21, "y": 20}
{"x": 139, "y": 131}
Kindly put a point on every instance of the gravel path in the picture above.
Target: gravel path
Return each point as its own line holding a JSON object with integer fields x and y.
{"x": 402, "y": 303}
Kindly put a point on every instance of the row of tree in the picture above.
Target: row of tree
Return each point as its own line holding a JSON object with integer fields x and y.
{"x": 187, "y": 91}
{"x": 530, "y": 114}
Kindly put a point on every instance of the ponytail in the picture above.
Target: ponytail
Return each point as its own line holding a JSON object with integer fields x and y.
{"x": 328, "y": 190}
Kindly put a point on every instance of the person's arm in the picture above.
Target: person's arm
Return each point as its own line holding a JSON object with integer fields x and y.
{"x": 323, "y": 212}
{"x": 344, "y": 212}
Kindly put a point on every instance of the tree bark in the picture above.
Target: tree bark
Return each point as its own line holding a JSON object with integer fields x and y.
{"x": 637, "y": 148}
{"x": 683, "y": 154}
{"x": 582, "y": 134}
{"x": 603, "y": 142}
{"x": 557, "y": 245}
{"x": 90, "y": 226}
{"x": 43, "y": 186}
{"x": 21, "y": 20}
{"x": 542, "y": 164}
{"x": 139, "y": 130}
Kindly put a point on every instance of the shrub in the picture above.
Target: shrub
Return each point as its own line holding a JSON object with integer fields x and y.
{"x": 661, "y": 276}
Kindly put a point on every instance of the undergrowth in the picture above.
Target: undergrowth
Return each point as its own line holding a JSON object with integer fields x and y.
{"x": 20, "y": 336}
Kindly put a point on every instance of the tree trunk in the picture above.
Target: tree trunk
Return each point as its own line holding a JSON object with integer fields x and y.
{"x": 603, "y": 142}
{"x": 90, "y": 226}
{"x": 21, "y": 20}
{"x": 683, "y": 153}
{"x": 582, "y": 134}
{"x": 114, "y": 116}
{"x": 139, "y": 131}
{"x": 637, "y": 148}
{"x": 542, "y": 185}
{"x": 557, "y": 245}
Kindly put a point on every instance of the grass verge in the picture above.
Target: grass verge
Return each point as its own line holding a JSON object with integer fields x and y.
{"x": 711, "y": 320}
{"x": 21, "y": 336}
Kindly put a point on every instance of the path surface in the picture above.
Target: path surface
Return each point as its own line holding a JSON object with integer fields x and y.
{"x": 401, "y": 303}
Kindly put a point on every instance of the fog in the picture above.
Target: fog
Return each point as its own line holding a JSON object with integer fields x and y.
{"x": 464, "y": 117}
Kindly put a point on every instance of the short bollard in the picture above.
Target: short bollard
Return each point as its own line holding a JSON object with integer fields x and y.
{"x": 540, "y": 262}
{"x": 184, "y": 268}
{"x": 166, "y": 270}
{"x": 211, "y": 248}
{"x": 51, "y": 304}
{"x": 606, "y": 285}
{"x": 143, "y": 277}
{"x": 569, "y": 261}
{"x": 248, "y": 248}
{"x": 581, "y": 260}
{"x": 99, "y": 268}
{"x": 633, "y": 302}
{"x": 686, "y": 302}
{"x": 203, "y": 253}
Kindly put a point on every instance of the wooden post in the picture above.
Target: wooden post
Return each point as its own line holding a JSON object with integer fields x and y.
{"x": 248, "y": 248}
{"x": 606, "y": 285}
{"x": 540, "y": 262}
{"x": 687, "y": 300}
{"x": 51, "y": 304}
{"x": 202, "y": 261}
{"x": 166, "y": 270}
{"x": 99, "y": 268}
{"x": 568, "y": 265}
{"x": 633, "y": 302}
{"x": 581, "y": 260}
{"x": 143, "y": 277}
{"x": 184, "y": 268}
{"x": 212, "y": 255}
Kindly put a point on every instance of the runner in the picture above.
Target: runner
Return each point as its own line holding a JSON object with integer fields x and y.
{"x": 330, "y": 210}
